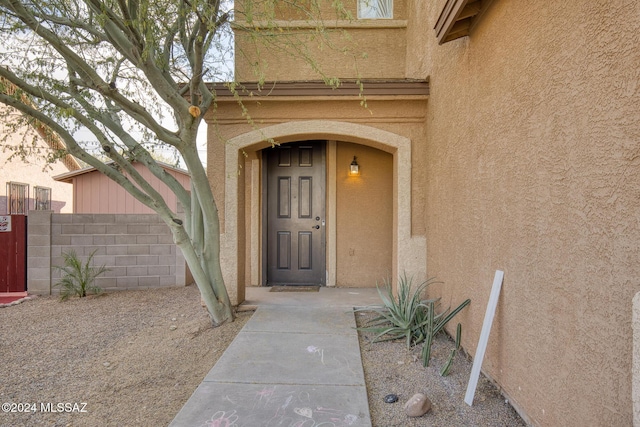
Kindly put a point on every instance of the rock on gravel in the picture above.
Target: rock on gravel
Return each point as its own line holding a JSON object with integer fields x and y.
{"x": 391, "y": 368}
{"x": 418, "y": 405}
{"x": 114, "y": 355}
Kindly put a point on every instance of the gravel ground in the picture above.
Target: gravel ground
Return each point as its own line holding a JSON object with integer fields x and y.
{"x": 118, "y": 353}
{"x": 133, "y": 358}
{"x": 391, "y": 368}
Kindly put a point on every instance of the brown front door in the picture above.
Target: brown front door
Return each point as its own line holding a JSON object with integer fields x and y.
{"x": 295, "y": 214}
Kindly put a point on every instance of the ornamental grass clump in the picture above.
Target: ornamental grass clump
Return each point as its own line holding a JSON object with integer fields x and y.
{"x": 399, "y": 317}
{"x": 78, "y": 278}
{"x": 407, "y": 316}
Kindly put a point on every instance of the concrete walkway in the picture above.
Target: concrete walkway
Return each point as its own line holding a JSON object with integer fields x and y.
{"x": 295, "y": 363}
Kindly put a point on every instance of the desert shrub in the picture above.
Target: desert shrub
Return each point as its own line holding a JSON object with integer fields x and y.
{"x": 77, "y": 277}
{"x": 407, "y": 316}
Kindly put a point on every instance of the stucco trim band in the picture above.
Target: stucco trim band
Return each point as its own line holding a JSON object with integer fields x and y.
{"x": 303, "y": 24}
{"x": 317, "y": 88}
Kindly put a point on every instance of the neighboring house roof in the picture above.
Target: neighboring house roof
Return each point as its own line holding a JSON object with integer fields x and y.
{"x": 53, "y": 140}
{"x": 67, "y": 177}
{"x": 50, "y": 137}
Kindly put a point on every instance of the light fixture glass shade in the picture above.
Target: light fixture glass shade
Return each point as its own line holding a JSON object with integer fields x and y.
{"x": 354, "y": 169}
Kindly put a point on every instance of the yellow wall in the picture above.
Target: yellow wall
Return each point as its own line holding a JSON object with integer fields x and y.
{"x": 533, "y": 167}
{"x": 364, "y": 216}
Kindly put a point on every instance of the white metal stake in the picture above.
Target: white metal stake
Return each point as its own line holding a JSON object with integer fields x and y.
{"x": 484, "y": 337}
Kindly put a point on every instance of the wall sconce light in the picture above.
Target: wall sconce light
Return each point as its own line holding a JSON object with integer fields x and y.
{"x": 354, "y": 169}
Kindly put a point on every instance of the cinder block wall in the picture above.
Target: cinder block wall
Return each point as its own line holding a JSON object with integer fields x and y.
{"x": 138, "y": 250}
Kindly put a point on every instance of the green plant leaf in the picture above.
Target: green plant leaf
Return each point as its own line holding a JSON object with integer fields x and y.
{"x": 441, "y": 324}
{"x": 407, "y": 316}
{"x": 78, "y": 278}
{"x": 447, "y": 366}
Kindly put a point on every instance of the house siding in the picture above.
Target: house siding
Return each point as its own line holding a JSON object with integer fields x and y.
{"x": 346, "y": 48}
{"x": 532, "y": 168}
{"x": 96, "y": 193}
{"x": 524, "y": 158}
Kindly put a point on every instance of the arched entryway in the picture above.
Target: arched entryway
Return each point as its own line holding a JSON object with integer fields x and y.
{"x": 241, "y": 249}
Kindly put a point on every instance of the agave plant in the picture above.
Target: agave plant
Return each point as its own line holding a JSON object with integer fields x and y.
{"x": 78, "y": 278}
{"x": 401, "y": 316}
{"x": 407, "y": 316}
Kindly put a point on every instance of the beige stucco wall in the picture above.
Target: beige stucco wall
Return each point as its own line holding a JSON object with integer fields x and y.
{"x": 404, "y": 116}
{"x": 309, "y": 10}
{"x": 393, "y": 125}
{"x": 635, "y": 386}
{"x": 33, "y": 170}
{"x": 309, "y": 40}
{"x": 533, "y": 167}
{"x": 364, "y": 206}
{"x": 363, "y": 53}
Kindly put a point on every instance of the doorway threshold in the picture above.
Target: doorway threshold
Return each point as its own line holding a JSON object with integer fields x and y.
{"x": 294, "y": 288}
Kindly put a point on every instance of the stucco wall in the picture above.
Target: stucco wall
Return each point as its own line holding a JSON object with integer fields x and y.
{"x": 33, "y": 170}
{"x": 390, "y": 124}
{"x": 363, "y": 53}
{"x": 533, "y": 165}
{"x": 310, "y": 9}
{"x": 364, "y": 216}
{"x": 400, "y": 116}
{"x": 286, "y": 43}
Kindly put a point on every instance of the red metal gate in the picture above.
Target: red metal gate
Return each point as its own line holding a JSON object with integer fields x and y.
{"x": 13, "y": 253}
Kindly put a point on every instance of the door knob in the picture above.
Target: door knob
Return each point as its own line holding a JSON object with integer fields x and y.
{"x": 316, "y": 227}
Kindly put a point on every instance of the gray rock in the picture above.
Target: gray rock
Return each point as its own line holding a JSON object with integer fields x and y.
{"x": 391, "y": 398}
{"x": 418, "y": 405}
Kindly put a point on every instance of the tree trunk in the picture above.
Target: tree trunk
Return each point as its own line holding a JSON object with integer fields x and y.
{"x": 211, "y": 285}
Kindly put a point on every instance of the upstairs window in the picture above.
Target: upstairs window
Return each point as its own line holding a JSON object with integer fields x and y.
{"x": 18, "y": 195}
{"x": 375, "y": 9}
{"x": 42, "y": 195}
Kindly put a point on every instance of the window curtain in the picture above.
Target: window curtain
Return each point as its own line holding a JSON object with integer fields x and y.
{"x": 375, "y": 9}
